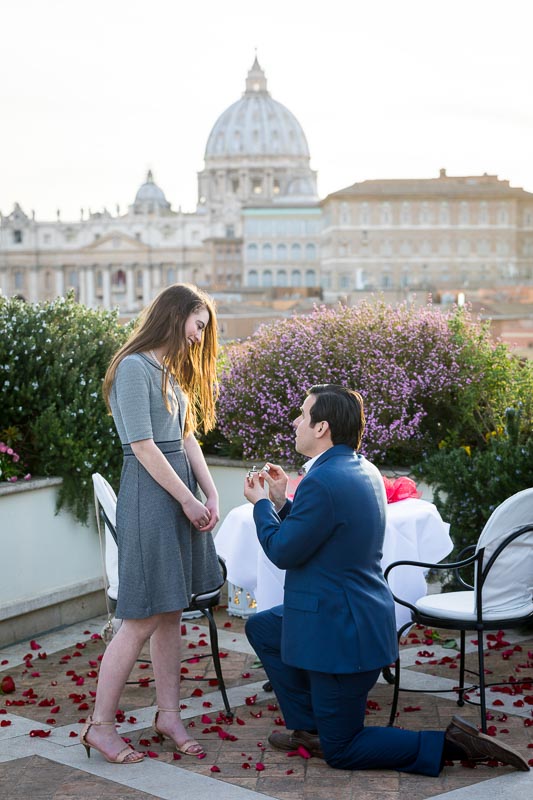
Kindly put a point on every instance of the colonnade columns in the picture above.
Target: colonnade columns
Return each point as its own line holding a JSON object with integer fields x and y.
{"x": 89, "y": 286}
{"x": 147, "y": 296}
{"x": 59, "y": 282}
{"x": 33, "y": 285}
{"x": 106, "y": 287}
{"x": 130, "y": 288}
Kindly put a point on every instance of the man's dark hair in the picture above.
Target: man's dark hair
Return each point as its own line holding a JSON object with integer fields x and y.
{"x": 342, "y": 409}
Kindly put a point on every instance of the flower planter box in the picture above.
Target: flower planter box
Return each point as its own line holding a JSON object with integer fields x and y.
{"x": 51, "y": 564}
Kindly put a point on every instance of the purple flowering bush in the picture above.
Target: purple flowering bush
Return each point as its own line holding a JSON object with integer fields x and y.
{"x": 423, "y": 375}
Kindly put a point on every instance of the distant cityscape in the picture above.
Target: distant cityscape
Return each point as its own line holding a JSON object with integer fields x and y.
{"x": 266, "y": 245}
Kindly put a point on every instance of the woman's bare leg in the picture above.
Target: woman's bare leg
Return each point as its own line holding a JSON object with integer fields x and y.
{"x": 115, "y": 668}
{"x": 165, "y": 650}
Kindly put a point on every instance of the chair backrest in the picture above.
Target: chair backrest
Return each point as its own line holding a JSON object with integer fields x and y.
{"x": 107, "y": 500}
{"x": 508, "y": 587}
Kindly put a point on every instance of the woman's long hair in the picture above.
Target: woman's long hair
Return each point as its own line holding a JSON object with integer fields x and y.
{"x": 193, "y": 367}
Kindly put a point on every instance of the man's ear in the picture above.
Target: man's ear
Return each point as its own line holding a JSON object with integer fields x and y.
{"x": 321, "y": 428}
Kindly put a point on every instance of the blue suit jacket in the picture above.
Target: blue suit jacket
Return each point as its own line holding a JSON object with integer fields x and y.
{"x": 338, "y": 612}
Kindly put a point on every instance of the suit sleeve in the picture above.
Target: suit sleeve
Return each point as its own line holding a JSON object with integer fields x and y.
{"x": 292, "y": 541}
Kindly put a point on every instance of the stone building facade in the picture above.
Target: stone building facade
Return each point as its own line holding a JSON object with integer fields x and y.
{"x": 260, "y": 225}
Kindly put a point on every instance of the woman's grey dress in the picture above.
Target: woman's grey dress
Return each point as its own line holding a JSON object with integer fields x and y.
{"x": 162, "y": 558}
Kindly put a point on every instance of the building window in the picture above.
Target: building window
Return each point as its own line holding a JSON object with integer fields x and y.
{"x": 503, "y": 216}
{"x": 365, "y": 214}
{"x": 296, "y": 252}
{"x": 310, "y": 277}
{"x": 73, "y": 279}
{"x": 19, "y": 279}
{"x": 230, "y": 232}
{"x": 345, "y": 217}
{"x": 281, "y": 252}
{"x": 425, "y": 217}
{"x": 118, "y": 280}
{"x": 464, "y": 214}
{"x": 464, "y": 247}
{"x": 266, "y": 252}
{"x": 251, "y": 252}
{"x": 444, "y": 214}
{"x": 257, "y": 186}
{"x": 310, "y": 252}
{"x": 344, "y": 282}
{"x": 296, "y": 277}
{"x": 17, "y": 237}
{"x": 483, "y": 214}
{"x": 235, "y": 185}
{"x": 386, "y": 214}
{"x": 253, "y": 278}
{"x": 405, "y": 217}
{"x": 267, "y": 278}
{"x": 276, "y": 188}
{"x": 281, "y": 278}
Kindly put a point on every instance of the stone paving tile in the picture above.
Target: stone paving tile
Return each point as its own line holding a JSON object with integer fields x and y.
{"x": 37, "y": 777}
{"x": 283, "y": 777}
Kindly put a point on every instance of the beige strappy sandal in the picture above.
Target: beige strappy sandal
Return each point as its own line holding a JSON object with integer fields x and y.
{"x": 126, "y": 756}
{"x": 189, "y": 748}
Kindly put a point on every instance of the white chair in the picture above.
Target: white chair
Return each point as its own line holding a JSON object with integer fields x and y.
{"x": 502, "y": 594}
{"x": 106, "y": 511}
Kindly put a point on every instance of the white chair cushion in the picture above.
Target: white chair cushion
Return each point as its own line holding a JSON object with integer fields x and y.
{"x": 460, "y": 606}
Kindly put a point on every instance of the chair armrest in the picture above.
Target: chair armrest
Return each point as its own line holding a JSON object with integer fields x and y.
{"x": 458, "y": 577}
{"x": 451, "y": 565}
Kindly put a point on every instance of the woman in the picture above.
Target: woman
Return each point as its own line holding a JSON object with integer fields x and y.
{"x": 160, "y": 386}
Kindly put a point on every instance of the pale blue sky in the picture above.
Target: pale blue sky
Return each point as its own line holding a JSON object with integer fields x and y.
{"x": 92, "y": 94}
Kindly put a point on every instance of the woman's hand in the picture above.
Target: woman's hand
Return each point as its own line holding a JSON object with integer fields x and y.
{"x": 212, "y": 506}
{"x": 198, "y": 513}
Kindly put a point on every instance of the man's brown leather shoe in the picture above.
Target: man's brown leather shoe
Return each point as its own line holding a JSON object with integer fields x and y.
{"x": 291, "y": 741}
{"x": 480, "y": 747}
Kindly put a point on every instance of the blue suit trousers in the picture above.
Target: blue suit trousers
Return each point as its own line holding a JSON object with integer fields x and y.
{"x": 335, "y": 705}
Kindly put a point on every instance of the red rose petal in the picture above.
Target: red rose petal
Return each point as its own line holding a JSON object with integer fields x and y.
{"x": 259, "y": 766}
{"x": 214, "y": 768}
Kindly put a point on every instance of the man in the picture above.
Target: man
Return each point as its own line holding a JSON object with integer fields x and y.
{"x": 324, "y": 648}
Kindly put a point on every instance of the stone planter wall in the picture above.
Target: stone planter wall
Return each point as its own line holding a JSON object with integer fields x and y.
{"x": 51, "y": 564}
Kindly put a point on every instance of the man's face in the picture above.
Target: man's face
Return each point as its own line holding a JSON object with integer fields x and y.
{"x": 305, "y": 435}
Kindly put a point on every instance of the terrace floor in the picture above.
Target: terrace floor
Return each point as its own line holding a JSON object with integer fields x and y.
{"x": 55, "y": 687}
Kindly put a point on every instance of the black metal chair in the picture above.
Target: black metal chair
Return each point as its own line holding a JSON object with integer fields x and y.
{"x": 501, "y": 596}
{"x": 105, "y": 507}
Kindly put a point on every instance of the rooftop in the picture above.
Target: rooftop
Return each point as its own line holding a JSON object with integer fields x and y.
{"x": 55, "y": 677}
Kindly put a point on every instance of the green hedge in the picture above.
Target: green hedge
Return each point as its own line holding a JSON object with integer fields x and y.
{"x": 53, "y": 357}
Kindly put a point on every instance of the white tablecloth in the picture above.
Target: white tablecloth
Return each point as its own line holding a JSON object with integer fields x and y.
{"x": 415, "y": 531}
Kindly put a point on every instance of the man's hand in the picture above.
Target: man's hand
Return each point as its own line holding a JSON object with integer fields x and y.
{"x": 277, "y": 480}
{"x": 255, "y": 488}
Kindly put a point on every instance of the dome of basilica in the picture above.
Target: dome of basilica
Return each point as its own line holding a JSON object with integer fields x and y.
{"x": 149, "y": 195}
{"x": 256, "y": 125}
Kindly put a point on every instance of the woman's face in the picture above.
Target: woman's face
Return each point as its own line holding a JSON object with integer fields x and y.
{"x": 195, "y": 325}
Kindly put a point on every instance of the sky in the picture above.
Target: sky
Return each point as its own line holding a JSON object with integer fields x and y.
{"x": 93, "y": 94}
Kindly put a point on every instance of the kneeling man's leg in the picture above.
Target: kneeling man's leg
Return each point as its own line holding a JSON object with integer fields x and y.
{"x": 339, "y": 705}
{"x": 291, "y": 685}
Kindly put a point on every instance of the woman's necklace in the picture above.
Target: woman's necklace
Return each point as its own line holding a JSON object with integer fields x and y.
{"x": 157, "y": 361}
